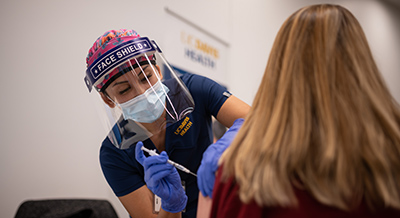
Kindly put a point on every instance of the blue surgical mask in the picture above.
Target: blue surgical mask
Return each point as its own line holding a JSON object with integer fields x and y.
{"x": 147, "y": 107}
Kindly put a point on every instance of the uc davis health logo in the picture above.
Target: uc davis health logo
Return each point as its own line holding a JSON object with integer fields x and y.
{"x": 199, "y": 51}
{"x": 184, "y": 127}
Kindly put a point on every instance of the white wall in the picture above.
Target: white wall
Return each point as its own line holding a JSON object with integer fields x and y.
{"x": 261, "y": 19}
{"x": 49, "y": 131}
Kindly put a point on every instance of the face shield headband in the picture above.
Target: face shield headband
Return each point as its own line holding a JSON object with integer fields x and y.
{"x": 103, "y": 68}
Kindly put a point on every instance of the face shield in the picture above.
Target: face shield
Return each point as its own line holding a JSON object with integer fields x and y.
{"x": 135, "y": 99}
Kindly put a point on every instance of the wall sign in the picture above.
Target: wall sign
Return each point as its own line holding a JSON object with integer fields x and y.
{"x": 195, "y": 50}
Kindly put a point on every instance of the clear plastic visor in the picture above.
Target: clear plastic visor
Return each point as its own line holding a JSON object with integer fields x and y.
{"x": 140, "y": 100}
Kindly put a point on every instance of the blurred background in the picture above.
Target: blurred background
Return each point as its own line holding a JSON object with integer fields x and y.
{"x": 50, "y": 133}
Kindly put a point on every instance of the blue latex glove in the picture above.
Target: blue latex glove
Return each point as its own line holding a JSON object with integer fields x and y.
{"x": 163, "y": 180}
{"x": 209, "y": 163}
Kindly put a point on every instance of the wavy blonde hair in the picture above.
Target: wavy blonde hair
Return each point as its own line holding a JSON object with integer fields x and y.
{"x": 322, "y": 117}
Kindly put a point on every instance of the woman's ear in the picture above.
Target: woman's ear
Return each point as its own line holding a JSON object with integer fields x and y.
{"x": 107, "y": 100}
{"x": 159, "y": 71}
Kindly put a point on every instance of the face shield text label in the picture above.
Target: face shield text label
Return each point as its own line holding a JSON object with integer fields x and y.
{"x": 118, "y": 55}
{"x": 130, "y": 49}
{"x": 107, "y": 62}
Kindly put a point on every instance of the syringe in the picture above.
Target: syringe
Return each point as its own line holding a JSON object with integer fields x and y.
{"x": 178, "y": 166}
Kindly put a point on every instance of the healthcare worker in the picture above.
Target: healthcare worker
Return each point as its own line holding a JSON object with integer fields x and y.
{"x": 144, "y": 103}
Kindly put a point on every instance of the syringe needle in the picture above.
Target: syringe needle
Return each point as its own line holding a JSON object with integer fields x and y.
{"x": 176, "y": 165}
{"x": 193, "y": 174}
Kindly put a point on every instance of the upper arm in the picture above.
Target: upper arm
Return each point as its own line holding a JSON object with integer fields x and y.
{"x": 232, "y": 109}
{"x": 217, "y": 100}
{"x": 203, "y": 206}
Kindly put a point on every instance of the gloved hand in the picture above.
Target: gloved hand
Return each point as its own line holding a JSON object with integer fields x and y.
{"x": 209, "y": 163}
{"x": 163, "y": 180}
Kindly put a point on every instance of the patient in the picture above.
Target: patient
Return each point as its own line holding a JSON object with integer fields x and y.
{"x": 322, "y": 138}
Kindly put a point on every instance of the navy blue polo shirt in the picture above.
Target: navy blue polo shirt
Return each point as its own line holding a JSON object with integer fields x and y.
{"x": 185, "y": 142}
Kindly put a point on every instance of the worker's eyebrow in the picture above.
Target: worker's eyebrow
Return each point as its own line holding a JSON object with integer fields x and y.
{"x": 118, "y": 83}
{"x": 143, "y": 69}
{"x": 125, "y": 81}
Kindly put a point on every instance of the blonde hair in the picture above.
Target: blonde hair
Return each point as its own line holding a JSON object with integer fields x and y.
{"x": 322, "y": 118}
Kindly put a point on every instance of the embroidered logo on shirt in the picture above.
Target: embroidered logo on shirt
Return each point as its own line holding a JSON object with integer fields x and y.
{"x": 184, "y": 127}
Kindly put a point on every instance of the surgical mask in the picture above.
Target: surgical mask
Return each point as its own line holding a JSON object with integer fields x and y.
{"x": 147, "y": 107}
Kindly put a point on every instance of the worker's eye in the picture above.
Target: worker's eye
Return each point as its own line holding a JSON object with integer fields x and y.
{"x": 124, "y": 90}
{"x": 144, "y": 79}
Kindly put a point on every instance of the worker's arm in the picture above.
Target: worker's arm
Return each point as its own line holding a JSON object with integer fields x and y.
{"x": 231, "y": 110}
{"x": 231, "y": 115}
{"x": 163, "y": 180}
{"x": 139, "y": 204}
